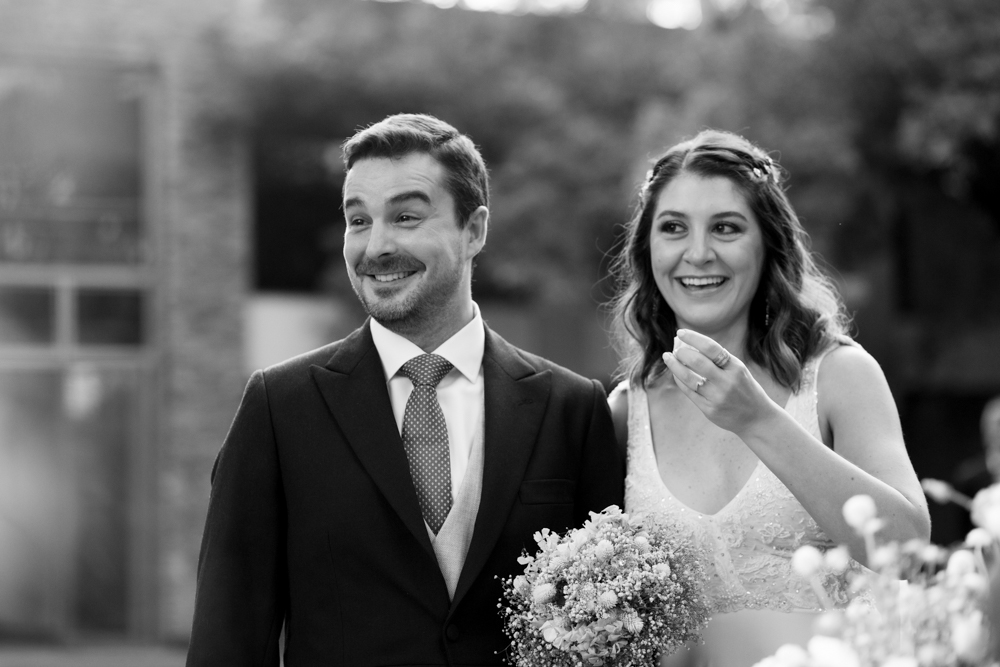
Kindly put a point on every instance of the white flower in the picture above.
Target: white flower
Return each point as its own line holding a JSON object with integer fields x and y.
{"x": 520, "y": 584}
{"x": 837, "y": 559}
{"x": 642, "y": 544}
{"x": 960, "y": 563}
{"x": 829, "y": 623}
{"x": 976, "y": 583}
{"x": 607, "y": 599}
{"x": 932, "y": 553}
{"x": 554, "y": 631}
{"x": 633, "y": 623}
{"x": 807, "y": 561}
{"x": 989, "y": 518}
{"x": 900, "y": 661}
{"x": 979, "y": 537}
{"x": 543, "y": 593}
{"x": 662, "y": 569}
{"x": 884, "y": 556}
{"x": 858, "y": 511}
{"x": 932, "y": 654}
{"x": 769, "y": 661}
{"x": 831, "y": 652}
{"x": 986, "y": 509}
{"x": 937, "y": 490}
{"x": 967, "y": 636}
{"x": 792, "y": 655}
{"x": 604, "y": 550}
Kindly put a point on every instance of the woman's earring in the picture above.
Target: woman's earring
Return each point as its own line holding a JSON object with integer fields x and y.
{"x": 767, "y": 315}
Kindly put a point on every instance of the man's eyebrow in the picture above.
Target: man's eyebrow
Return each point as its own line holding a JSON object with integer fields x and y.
{"x": 406, "y": 196}
{"x": 394, "y": 200}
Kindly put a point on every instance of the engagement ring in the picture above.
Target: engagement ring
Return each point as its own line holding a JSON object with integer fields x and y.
{"x": 722, "y": 359}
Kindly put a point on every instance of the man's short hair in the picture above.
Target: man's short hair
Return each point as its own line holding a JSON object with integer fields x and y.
{"x": 399, "y": 135}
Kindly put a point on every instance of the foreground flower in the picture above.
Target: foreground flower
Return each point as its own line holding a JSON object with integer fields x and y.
{"x": 938, "y": 619}
{"x": 986, "y": 510}
{"x": 859, "y": 511}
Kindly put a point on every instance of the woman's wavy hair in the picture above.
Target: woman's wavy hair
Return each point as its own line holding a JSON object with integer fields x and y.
{"x": 796, "y": 310}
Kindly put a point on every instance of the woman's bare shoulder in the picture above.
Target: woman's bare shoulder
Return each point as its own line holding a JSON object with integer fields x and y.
{"x": 850, "y": 377}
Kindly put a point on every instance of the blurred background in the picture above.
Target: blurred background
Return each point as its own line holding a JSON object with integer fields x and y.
{"x": 170, "y": 220}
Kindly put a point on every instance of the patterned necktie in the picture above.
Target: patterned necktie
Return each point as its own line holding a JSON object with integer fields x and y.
{"x": 425, "y": 438}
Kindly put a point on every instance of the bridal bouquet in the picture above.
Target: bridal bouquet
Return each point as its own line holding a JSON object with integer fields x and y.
{"x": 615, "y": 592}
{"x": 939, "y": 616}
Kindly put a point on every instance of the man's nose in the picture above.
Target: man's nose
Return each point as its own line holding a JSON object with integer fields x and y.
{"x": 381, "y": 240}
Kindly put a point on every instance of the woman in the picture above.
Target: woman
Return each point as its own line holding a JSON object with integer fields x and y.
{"x": 754, "y": 431}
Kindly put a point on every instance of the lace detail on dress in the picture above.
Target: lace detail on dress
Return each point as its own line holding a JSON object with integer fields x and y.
{"x": 748, "y": 544}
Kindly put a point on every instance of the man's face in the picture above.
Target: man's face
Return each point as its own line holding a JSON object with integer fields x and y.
{"x": 409, "y": 261}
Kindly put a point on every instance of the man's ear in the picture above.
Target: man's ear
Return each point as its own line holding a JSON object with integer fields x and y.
{"x": 476, "y": 228}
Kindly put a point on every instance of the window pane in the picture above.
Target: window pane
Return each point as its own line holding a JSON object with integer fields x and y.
{"x": 69, "y": 165}
{"x": 110, "y": 317}
{"x": 64, "y": 498}
{"x": 27, "y": 315}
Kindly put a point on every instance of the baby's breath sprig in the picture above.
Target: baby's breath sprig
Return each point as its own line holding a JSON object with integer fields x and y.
{"x": 616, "y": 591}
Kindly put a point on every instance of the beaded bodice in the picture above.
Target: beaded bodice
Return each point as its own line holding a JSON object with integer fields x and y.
{"x": 748, "y": 544}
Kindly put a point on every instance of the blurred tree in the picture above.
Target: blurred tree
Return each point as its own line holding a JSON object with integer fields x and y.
{"x": 567, "y": 109}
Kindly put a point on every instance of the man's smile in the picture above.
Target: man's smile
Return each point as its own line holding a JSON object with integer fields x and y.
{"x": 390, "y": 277}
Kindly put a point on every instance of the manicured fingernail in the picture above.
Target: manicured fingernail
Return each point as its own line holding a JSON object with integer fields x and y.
{"x": 682, "y": 332}
{"x": 667, "y": 356}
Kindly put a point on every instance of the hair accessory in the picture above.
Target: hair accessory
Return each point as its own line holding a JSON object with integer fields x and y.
{"x": 765, "y": 170}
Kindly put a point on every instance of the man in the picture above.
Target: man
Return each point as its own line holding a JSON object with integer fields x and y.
{"x": 369, "y": 495}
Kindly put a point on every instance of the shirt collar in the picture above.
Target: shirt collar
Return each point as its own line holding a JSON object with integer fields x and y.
{"x": 464, "y": 349}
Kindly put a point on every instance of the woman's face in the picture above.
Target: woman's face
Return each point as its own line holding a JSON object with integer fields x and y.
{"x": 707, "y": 253}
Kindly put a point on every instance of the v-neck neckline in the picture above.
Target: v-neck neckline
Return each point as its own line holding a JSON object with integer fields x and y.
{"x": 754, "y": 472}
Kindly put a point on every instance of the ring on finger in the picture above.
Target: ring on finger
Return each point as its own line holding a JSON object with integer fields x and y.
{"x": 697, "y": 387}
{"x": 722, "y": 359}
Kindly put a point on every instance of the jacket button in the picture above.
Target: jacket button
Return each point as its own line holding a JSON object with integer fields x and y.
{"x": 452, "y": 633}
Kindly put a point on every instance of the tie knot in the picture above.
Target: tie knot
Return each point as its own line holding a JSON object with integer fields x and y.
{"x": 426, "y": 370}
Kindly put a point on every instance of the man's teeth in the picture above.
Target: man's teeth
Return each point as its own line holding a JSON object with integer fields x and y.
{"x": 387, "y": 277}
{"x": 702, "y": 282}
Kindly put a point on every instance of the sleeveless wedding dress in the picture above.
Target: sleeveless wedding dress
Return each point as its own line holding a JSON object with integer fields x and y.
{"x": 758, "y": 603}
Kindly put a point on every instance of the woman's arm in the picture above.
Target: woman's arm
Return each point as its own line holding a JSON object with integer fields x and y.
{"x": 868, "y": 454}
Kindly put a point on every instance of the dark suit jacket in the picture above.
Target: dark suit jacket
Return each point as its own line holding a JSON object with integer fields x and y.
{"x": 314, "y": 524}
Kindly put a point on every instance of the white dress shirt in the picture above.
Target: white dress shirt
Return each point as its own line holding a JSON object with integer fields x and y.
{"x": 460, "y": 392}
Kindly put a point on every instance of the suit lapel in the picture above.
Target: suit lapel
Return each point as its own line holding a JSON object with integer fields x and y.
{"x": 354, "y": 388}
{"x": 515, "y": 400}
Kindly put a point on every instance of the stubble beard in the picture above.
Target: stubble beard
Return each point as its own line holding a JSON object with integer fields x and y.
{"x": 416, "y": 310}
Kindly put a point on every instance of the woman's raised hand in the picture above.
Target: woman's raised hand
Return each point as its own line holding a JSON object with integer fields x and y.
{"x": 718, "y": 383}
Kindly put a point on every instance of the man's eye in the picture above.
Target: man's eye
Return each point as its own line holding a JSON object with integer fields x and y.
{"x": 406, "y": 217}
{"x": 356, "y": 222}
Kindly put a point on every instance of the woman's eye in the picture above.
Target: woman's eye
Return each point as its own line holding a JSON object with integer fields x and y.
{"x": 726, "y": 228}
{"x": 671, "y": 227}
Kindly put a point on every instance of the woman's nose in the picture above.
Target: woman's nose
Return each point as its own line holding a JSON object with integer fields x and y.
{"x": 699, "y": 250}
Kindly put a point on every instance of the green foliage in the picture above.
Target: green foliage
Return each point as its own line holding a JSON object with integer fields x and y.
{"x": 569, "y": 109}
